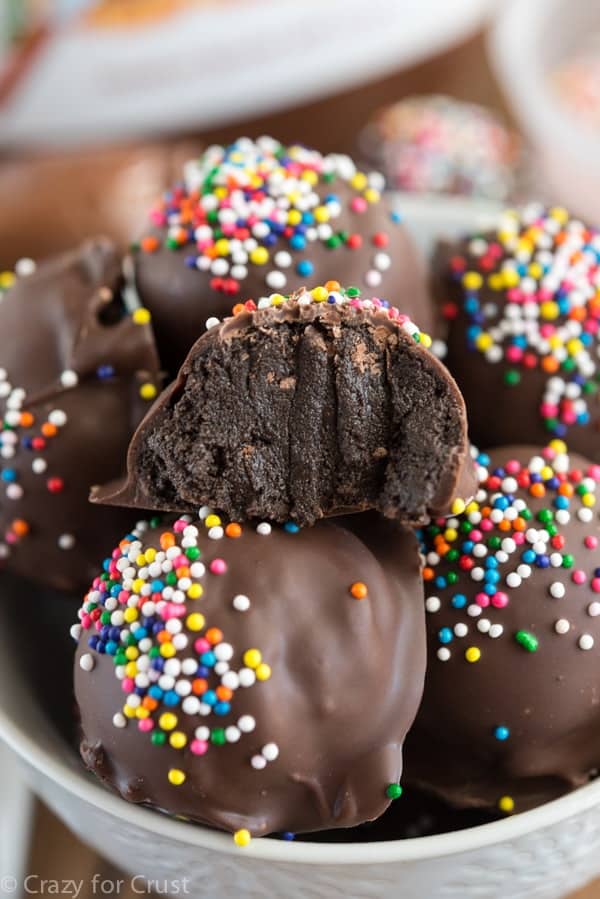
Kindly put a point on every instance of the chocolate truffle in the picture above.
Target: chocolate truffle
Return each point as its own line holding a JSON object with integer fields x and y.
{"x": 257, "y": 217}
{"x": 76, "y": 374}
{"x": 313, "y": 406}
{"x": 510, "y": 711}
{"x": 439, "y": 145}
{"x": 522, "y": 304}
{"x": 253, "y": 678}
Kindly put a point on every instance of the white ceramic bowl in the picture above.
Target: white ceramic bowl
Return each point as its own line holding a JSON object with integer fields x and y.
{"x": 529, "y": 40}
{"x": 542, "y": 853}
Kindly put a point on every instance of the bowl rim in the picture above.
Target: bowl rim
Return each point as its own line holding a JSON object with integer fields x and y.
{"x": 85, "y": 788}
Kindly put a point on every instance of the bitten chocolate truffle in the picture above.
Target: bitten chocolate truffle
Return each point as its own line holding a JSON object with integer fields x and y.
{"x": 321, "y": 404}
{"x": 510, "y": 714}
{"x": 522, "y": 304}
{"x": 77, "y": 373}
{"x": 257, "y": 217}
{"x": 253, "y": 678}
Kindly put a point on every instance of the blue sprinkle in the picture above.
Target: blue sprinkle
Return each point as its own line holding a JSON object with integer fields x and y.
{"x": 208, "y": 658}
{"x": 171, "y": 698}
{"x": 445, "y": 635}
{"x": 291, "y": 527}
{"x": 9, "y": 475}
{"x": 221, "y": 708}
{"x": 305, "y": 268}
{"x": 502, "y": 733}
{"x": 210, "y": 697}
{"x": 459, "y": 601}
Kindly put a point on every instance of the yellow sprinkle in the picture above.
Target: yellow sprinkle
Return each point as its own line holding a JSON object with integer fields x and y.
{"x": 535, "y": 270}
{"x": 131, "y": 669}
{"x": 212, "y": 521}
{"x": 132, "y": 653}
{"x": 425, "y": 339}
{"x": 450, "y": 535}
{"x": 148, "y": 391}
{"x": 588, "y": 499}
{"x": 574, "y": 347}
{"x": 222, "y": 246}
{"x": 129, "y": 711}
{"x": 176, "y": 777}
{"x": 555, "y": 341}
{"x": 472, "y": 507}
{"x": 277, "y": 299}
{"x": 263, "y": 672}
{"x": 242, "y": 837}
{"x": 7, "y": 279}
{"x": 484, "y": 342}
{"x": 195, "y": 621}
{"x": 359, "y": 181}
{"x": 259, "y": 256}
{"x": 559, "y": 446}
{"x": 220, "y": 192}
{"x": 167, "y": 721}
{"x": 496, "y": 281}
{"x": 472, "y": 280}
{"x": 130, "y": 615}
{"x": 511, "y": 277}
{"x": 178, "y": 740}
{"x": 371, "y": 195}
{"x": 294, "y": 217}
{"x": 141, "y": 712}
{"x": 472, "y": 654}
{"x": 252, "y": 658}
{"x": 167, "y": 650}
{"x": 310, "y": 176}
{"x": 141, "y": 560}
{"x": 506, "y": 804}
{"x": 137, "y": 588}
{"x": 560, "y": 214}
{"x": 141, "y": 316}
{"x": 322, "y": 214}
{"x": 546, "y": 473}
{"x": 549, "y": 310}
{"x": 150, "y": 555}
{"x": 319, "y": 294}
{"x": 195, "y": 591}
{"x": 458, "y": 506}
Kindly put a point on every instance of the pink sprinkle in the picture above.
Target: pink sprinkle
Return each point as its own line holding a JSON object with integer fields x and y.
{"x": 10, "y": 537}
{"x": 578, "y": 577}
{"x": 514, "y": 354}
{"x": 180, "y": 525}
{"x": 596, "y": 584}
{"x": 594, "y": 472}
{"x": 513, "y": 467}
{"x": 173, "y": 610}
{"x": 499, "y": 600}
{"x": 486, "y": 525}
{"x": 591, "y": 542}
{"x": 358, "y": 204}
{"x": 547, "y": 330}
{"x": 198, "y": 747}
{"x": 123, "y": 596}
{"x": 549, "y": 410}
{"x": 218, "y": 566}
{"x": 544, "y": 294}
{"x": 202, "y": 645}
{"x": 181, "y": 561}
{"x": 475, "y": 535}
{"x": 483, "y": 600}
{"x": 86, "y": 621}
{"x": 146, "y": 724}
{"x": 519, "y": 538}
{"x": 128, "y": 685}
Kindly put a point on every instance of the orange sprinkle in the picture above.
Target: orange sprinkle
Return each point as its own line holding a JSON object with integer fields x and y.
{"x": 20, "y": 527}
{"x": 332, "y": 285}
{"x": 233, "y": 529}
{"x": 519, "y": 524}
{"x": 149, "y": 244}
{"x": 149, "y": 703}
{"x": 214, "y": 635}
{"x": 183, "y": 571}
{"x": 239, "y": 307}
{"x": 26, "y": 419}
{"x": 566, "y": 490}
{"x": 359, "y": 590}
{"x": 504, "y": 525}
{"x": 428, "y": 574}
{"x": 163, "y": 637}
{"x": 167, "y": 540}
{"x": 199, "y": 686}
{"x": 224, "y": 693}
{"x": 550, "y": 364}
{"x": 537, "y": 490}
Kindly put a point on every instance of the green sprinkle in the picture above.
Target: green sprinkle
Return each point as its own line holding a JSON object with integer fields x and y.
{"x": 527, "y": 640}
{"x": 192, "y": 552}
{"x": 512, "y": 378}
{"x": 158, "y": 738}
{"x": 352, "y": 292}
{"x": 217, "y": 737}
{"x": 393, "y": 791}
{"x": 567, "y": 561}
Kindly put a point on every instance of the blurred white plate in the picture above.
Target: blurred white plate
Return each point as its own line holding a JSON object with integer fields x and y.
{"x": 222, "y": 63}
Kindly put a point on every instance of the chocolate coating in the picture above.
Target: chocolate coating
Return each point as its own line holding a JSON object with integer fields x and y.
{"x": 305, "y": 410}
{"x": 522, "y": 311}
{"x": 518, "y": 596}
{"x": 73, "y": 362}
{"x": 336, "y": 684}
{"x": 255, "y": 217}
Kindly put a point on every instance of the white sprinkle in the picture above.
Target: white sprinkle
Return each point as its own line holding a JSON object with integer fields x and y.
{"x": 433, "y": 604}
{"x": 119, "y": 720}
{"x": 216, "y": 532}
{"x": 264, "y": 529}
{"x": 204, "y": 512}
{"x": 202, "y": 733}
{"x": 230, "y": 680}
{"x": 513, "y": 580}
{"x": 443, "y": 654}
{"x": 258, "y": 762}
{"x": 276, "y": 280}
{"x": 562, "y": 626}
{"x": 557, "y": 590}
{"x": 25, "y": 267}
{"x": 69, "y": 378}
{"x": 86, "y": 662}
{"x": 246, "y": 724}
{"x": 461, "y": 629}
{"x": 232, "y": 733}
{"x": 241, "y": 603}
{"x": 483, "y": 625}
{"x": 586, "y": 641}
{"x": 495, "y": 631}
{"x": 66, "y": 541}
{"x": 270, "y": 751}
{"x": 247, "y": 677}
{"x": 75, "y": 631}
{"x": 58, "y": 418}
